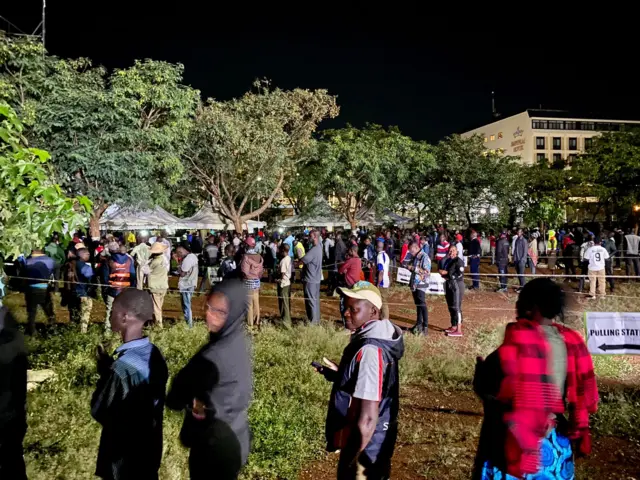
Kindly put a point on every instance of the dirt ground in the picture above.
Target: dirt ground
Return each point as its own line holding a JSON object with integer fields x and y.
{"x": 439, "y": 428}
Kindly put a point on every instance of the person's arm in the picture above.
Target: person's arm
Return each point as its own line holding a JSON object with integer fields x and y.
{"x": 343, "y": 267}
{"x": 132, "y": 273}
{"x": 107, "y": 397}
{"x": 180, "y": 394}
{"x": 87, "y": 271}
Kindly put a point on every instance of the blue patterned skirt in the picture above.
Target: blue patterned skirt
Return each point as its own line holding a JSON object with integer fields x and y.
{"x": 556, "y": 462}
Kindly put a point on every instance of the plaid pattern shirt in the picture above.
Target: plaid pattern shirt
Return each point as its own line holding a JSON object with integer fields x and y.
{"x": 528, "y": 387}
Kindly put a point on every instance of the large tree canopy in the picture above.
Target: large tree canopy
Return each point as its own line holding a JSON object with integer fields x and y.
{"x": 363, "y": 168}
{"x": 113, "y": 138}
{"x": 241, "y": 152}
{"x": 32, "y": 207}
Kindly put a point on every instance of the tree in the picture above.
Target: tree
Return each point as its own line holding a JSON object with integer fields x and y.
{"x": 466, "y": 180}
{"x": 359, "y": 167}
{"x": 610, "y": 171}
{"x": 242, "y": 152}
{"x": 31, "y": 206}
{"x": 113, "y": 138}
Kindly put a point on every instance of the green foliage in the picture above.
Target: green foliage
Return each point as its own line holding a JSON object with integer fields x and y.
{"x": 31, "y": 206}
{"x": 363, "y": 168}
{"x": 244, "y": 149}
{"x": 548, "y": 188}
{"x": 113, "y": 138}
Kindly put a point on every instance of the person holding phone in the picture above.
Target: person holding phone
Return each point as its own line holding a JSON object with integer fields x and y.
{"x": 362, "y": 421}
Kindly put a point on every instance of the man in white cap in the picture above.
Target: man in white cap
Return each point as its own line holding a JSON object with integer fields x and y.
{"x": 362, "y": 421}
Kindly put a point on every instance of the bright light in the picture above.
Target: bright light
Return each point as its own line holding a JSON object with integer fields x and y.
{"x": 636, "y": 208}
{"x": 144, "y": 233}
{"x": 259, "y": 178}
{"x": 281, "y": 230}
{"x": 330, "y": 228}
{"x": 483, "y": 211}
{"x": 493, "y": 210}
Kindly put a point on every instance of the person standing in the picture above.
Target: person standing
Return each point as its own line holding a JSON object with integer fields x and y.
{"x": 56, "y": 252}
{"x": 502, "y": 260}
{"x": 228, "y": 265}
{"x": 351, "y": 269}
{"x": 164, "y": 239}
{"x": 312, "y": 278}
{"x": 538, "y": 389}
{"x": 362, "y": 419}
{"x": 140, "y": 254}
{"x": 38, "y": 271}
{"x": 520, "y": 252}
{"x": 252, "y": 268}
{"x": 453, "y": 273}
{"x": 84, "y": 276}
{"x": 442, "y": 248}
{"x": 632, "y": 251}
{"x": 188, "y": 282}
{"x": 214, "y": 389}
{"x": 532, "y": 254}
{"x": 368, "y": 259}
{"x": 284, "y": 285}
{"x": 569, "y": 254}
{"x": 382, "y": 278}
{"x": 492, "y": 246}
{"x": 610, "y": 246}
{"x": 475, "y": 251}
{"x": 419, "y": 264}
{"x": 584, "y": 264}
{"x": 210, "y": 260}
{"x": 339, "y": 259}
{"x": 390, "y": 248}
{"x": 157, "y": 279}
{"x": 129, "y": 398}
{"x": 597, "y": 257}
{"x": 120, "y": 275}
{"x": 13, "y": 398}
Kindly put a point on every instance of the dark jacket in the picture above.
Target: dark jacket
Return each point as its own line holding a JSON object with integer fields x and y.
{"x": 475, "y": 248}
{"x": 119, "y": 274}
{"x": 340, "y": 251}
{"x": 220, "y": 376}
{"x": 84, "y": 274}
{"x": 13, "y": 379}
{"x": 502, "y": 252}
{"x": 520, "y": 249}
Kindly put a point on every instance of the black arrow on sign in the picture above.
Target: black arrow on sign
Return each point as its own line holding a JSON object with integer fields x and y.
{"x": 624, "y": 346}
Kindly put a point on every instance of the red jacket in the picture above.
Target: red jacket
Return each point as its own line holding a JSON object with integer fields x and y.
{"x": 352, "y": 271}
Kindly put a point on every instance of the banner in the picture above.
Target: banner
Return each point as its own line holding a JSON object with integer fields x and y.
{"x": 436, "y": 282}
{"x": 610, "y": 333}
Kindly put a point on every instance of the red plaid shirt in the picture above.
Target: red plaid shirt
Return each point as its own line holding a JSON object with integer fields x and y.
{"x": 528, "y": 387}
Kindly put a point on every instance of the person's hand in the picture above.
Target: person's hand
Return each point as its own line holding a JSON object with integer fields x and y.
{"x": 329, "y": 371}
{"x": 198, "y": 410}
{"x": 103, "y": 359}
{"x": 330, "y": 364}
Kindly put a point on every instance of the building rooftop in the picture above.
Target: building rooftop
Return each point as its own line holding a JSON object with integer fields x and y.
{"x": 545, "y": 113}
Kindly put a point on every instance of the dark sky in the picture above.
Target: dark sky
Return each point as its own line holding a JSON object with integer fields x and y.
{"x": 392, "y": 63}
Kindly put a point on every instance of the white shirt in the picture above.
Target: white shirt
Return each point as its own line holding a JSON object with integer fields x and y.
{"x": 383, "y": 266}
{"x": 190, "y": 280}
{"x": 460, "y": 250}
{"x": 596, "y": 256}
{"x": 236, "y": 241}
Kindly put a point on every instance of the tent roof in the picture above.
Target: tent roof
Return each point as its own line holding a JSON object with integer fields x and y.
{"x": 117, "y": 218}
{"x": 206, "y": 218}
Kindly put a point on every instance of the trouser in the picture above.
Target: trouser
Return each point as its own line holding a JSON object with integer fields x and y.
{"x": 569, "y": 266}
{"x": 158, "y": 302}
{"x": 532, "y": 265}
{"x": 140, "y": 276}
{"x": 454, "y": 291}
{"x": 363, "y": 468}
{"x": 635, "y": 261}
{"x": 86, "y": 305}
{"x": 474, "y": 265}
{"x": 596, "y": 277}
{"x": 502, "y": 271}
{"x": 520, "y": 265}
{"x": 57, "y": 270}
{"x": 185, "y": 297}
{"x": 253, "y": 311}
{"x": 333, "y": 282}
{"x": 11, "y": 454}
{"x": 608, "y": 269}
{"x": 584, "y": 267}
{"x": 493, "y": 255}
{"x": 38, "y": 297}
{"x": 384, "y": 311}
{"x": 109, "y": 306}
{"x": 422, "y": 314}
{"x": 312, "y": 302}
{"x": 284, "y": 304}
{"x": 207, "y": 279}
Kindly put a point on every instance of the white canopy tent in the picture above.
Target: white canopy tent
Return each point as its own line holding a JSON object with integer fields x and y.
{"x": 117, "y": 218}
{"x": 207, "y": 219}
{"x": 320, "y": 215}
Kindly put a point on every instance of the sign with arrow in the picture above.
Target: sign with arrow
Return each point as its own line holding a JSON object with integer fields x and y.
{"x": 613, "y": 332}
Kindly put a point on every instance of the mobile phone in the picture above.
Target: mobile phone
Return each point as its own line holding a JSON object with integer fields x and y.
{"x": 317, "y": 365}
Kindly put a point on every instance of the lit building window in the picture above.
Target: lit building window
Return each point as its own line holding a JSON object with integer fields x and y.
{"x": 492, "y": 138}
{"x": 573, "y": 143}
{"x": 540, "y": 143}
{"x": 486, "y": 139}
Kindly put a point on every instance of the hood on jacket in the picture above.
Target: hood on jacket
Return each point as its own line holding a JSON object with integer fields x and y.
{"x": 236, "y": 294}
{"x": 386, "y": 331}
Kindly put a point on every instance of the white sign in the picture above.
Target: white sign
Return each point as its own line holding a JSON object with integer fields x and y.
{"x": 436, "y": 282}
{"x": 613, "y": 332}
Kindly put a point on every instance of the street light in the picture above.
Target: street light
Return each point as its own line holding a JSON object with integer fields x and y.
{"x": 636, "y": 208}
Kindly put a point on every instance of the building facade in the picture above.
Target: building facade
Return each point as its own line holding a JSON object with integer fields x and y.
{"x": 545, "y": 134}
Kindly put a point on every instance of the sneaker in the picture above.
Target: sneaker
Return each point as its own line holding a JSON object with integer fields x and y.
{"x": 449, "y": 330}
{"x": 591, "y": 297}
{"x": 456, "y": 333}
{"x": 501, "y": 290}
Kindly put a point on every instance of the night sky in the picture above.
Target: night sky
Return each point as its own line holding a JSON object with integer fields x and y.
{"x": 390, "y": 63}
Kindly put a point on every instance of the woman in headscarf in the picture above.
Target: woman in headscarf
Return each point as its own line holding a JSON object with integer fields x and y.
{"x": 538, "y": 389}
{"x": 453, "y": 273}
{"x": 215, "y": 388}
